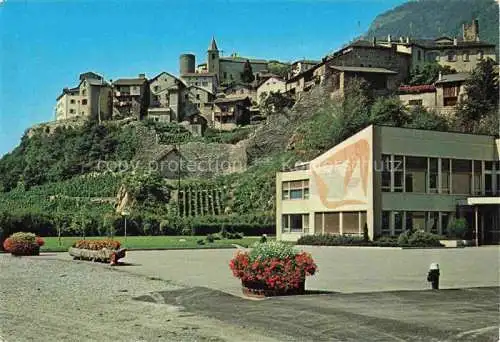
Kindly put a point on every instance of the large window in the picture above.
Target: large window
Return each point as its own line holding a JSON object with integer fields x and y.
{"x": 461, "y": 176}
{"x": 332, "y": 223}
{"x": 350, "y": 222}
{"x": 398, "y": 222}
{"x": 398, "y": 172}
{"x": 295, "y": 190}
{"x": 295, "y": 223}
{"x": 386, "y": 223}
{"x": 445, "y": 176}
{"x": 416, "y": 174}
{"x": 433, "y": 222}
{"x": 415, "y": 220}
{"x": 478, "y": 177}
{"x": 433, "y": 175}
{"x": 318, "y": 223}
{"x": 386, "y": 173}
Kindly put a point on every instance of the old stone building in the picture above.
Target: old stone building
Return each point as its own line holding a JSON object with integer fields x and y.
{"x": 165, "y": 103}
{"x": 380, "y": 80}
{"x": 198, "y": 100}
{"x": 271, "y": 85}
{"x": 226, "y": 69}
{"x": 91, "y": 99}
{"x": 232, "y": 112}
{"x": 462, "y": 54}
{"x": 130, "y": 97}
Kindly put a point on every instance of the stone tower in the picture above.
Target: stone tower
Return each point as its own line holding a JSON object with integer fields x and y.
{"x": 213, "y": 58}
{"x": 471, "y": 31}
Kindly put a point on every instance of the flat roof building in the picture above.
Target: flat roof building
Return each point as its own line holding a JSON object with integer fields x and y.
{"x": 393, "y": 179}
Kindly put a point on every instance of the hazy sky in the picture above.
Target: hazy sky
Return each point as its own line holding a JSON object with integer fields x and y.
{"x": 44, "y": 45}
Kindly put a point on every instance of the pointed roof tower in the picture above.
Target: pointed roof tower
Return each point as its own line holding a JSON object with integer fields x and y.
{"x": 213, "y": 45}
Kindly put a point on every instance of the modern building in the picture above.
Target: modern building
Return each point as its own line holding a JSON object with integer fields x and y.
{"x": 393, "y": 179}
{"x": 90, "y": 100}
{"x": 130, "y": 97}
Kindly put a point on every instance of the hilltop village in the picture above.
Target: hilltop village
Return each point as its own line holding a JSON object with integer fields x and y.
{"x": 226, "y": 92}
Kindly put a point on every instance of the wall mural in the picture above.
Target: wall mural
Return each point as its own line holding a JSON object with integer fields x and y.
{"x": 341, "y": 177}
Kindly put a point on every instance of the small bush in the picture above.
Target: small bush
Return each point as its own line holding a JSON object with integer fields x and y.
{"x": 386, "y": 241}
{"x": 200, "y": 242}
{"x": 97, "y": 245}
{"x": 403, "y": 238}
{"x": 263, "y": 238}
{"x": 421, "y": 238}
{"x": 458, "y": 228}
{"x": 23, "y": 244}
{"x": 210, "y": 238}
{"x": 333, "y": 240}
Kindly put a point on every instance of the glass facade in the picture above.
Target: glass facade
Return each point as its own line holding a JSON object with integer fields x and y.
{"x": 295, "y": 223}
{"x": 295, "y": 190}
{"x": 431, "y": 221}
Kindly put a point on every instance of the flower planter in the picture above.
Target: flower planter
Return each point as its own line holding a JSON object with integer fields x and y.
{"x": 261, "y": 290}
{"x": 102, "y": 255}
{"x": 28, "y": 252}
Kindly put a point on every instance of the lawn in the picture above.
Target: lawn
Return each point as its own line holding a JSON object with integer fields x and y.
{"x": 151, "y": 242}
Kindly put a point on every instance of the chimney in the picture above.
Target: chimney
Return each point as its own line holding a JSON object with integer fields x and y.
{"x": 401, "y": 39}
{"x": 455, "y": 41}
{"x": 476, "y": 29}
{"x": 440, "y": 76}
{"x": 407, "y": 40}
{"x": 389, "y": 38}
{"x": 374, "y": 41}
{"x": 142, "y": 75}
{"x": 471, "y": 31}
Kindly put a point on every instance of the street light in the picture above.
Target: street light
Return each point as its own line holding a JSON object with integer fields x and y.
{"x": 125, "y": 213}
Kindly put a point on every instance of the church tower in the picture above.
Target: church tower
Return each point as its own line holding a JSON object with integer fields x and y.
{"x": 213, "y": 58}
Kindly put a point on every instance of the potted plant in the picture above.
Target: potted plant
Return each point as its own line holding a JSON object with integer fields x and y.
{"x": 272, "y": 268}
{"x": 23, "y": 244}
{"x": 97, "y": 250}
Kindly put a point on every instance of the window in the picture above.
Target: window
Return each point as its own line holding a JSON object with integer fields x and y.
{"x": 72, "y": 111}
{"x": 295, "y": 223}
{"x": 419, "y": 55}
{"x": 231, "y": 76}
{"x": 332, "y": 223}
{"x": 416, "y": 174}
{"x": 224, "y": 75}
{"x": 295, "y": 190}
{"x": 445, "y": 220}
{"x": 416, "y": 102}
{"x": 386, "y": 173}
{"x": 386, "y": 225}
{"x": 84, "y": 102}
{"x": 445, "y": 176}
{"x": 433, "y": 175}
{"x": 213, "y": 55}
{"x": 480, "y": 54}
{"x": 452, "y": 57}
{"x": 461, "y": 176}
{"x": 398, "y": 222}
{"x": 155, "y": 88}
{"x": 350, "y": 222}
{"x": 398, "y": 171}
{"x": 433, "y": 222}
{"x": 204, "y": 84}
{"x": 72, "y": 101}
{"x": 466, "y": 56}
{"x": 488, "y": 178}
{"x": 197, "y": 96}
{"x": 415, "y": 220}
{"x": 478, "y": 177}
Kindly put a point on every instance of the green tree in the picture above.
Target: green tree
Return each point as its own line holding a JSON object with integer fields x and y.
{"x": 481, "y": 100}
{"x": 429, "y": 73}
{"x": 389, "y": 111}
{"x": 247, "y": 75}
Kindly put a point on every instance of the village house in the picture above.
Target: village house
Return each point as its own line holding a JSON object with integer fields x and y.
{"x": 90, "y": 100}
{"x": 301, "y": 65}
{"x": 393, "y": 179}
{"x": 131, "y": 97}
{"x": 240, "y": 89}
{"x": 165, "y": 102}
{"x": 199, "y": 100}
{"x": 231, "y": 112}
{"x": 271, "y": 85}
{"x": 443, "y": 96}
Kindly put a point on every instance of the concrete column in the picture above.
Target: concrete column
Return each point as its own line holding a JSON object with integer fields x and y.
{"x": 476, "y": 224}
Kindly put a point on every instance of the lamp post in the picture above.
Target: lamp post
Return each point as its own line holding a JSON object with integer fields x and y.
{"x": 125, "y": 213}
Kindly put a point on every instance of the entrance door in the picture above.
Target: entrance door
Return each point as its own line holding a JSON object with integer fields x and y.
{"x": 491, "y": 226}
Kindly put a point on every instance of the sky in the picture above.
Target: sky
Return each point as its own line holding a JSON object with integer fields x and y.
{"x": 45, "y": 45}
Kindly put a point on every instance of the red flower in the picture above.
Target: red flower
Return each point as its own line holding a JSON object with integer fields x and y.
{"x": 39, "y": 241}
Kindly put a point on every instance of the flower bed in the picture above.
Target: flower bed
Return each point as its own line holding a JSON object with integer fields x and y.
{"x": 97, "y": 250}
{"x": 21, "y": 243}
{"x": 272, "y": 268}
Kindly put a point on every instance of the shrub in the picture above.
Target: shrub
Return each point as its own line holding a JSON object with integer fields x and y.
{"x": 332, "y": 240}
{"x": 263, "y": 238}
{"x": 366, "y": 237}
{"x": 273, "y": 265}
{"x": 403, "y": 238}
{"x": 421, "y": 238}
{"x": 210, "y": 238}
{"x": 200, "y": 242}
{"x": 22, "y": 243}
{"x": 39, "y": 241}
{"x": 458, "y": 228}
{"x": 386, "y": 241}
{"x": 97, "y": 245}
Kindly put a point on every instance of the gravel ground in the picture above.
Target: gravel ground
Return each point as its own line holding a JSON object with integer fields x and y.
{"x": 55, "y": 300}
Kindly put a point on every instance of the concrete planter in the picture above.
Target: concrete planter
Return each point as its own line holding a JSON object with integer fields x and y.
{"x": 455, "y": 243}
{"x": 103, "y": 255}
{"x": 260, "y": 289}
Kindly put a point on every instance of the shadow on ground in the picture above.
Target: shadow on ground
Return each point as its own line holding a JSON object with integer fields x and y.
{"x": 445, "y": 315}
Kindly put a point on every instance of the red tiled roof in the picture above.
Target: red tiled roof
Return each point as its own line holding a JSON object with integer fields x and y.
{"x": 424, "y": 88}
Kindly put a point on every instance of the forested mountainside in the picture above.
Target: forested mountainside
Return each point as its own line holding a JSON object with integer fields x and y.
{"x": 435, "y": 18}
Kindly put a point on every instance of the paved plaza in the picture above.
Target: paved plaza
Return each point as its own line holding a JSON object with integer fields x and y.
{"x": 341, "y": 269}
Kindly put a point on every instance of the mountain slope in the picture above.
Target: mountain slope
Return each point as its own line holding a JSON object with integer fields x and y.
{"x": 434, "y": 18}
